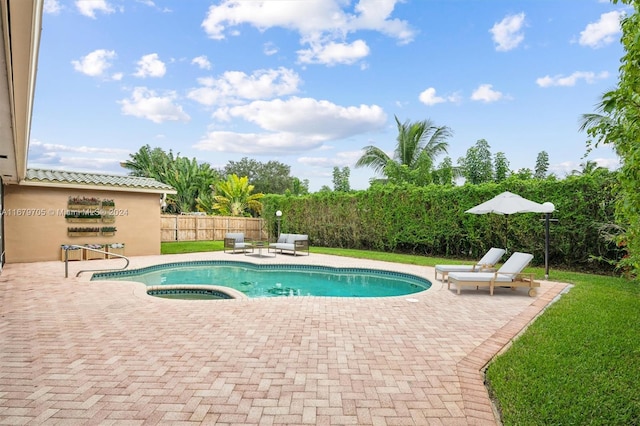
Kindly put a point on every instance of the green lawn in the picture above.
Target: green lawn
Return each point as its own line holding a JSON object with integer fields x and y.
{"x": 577, "y": 364}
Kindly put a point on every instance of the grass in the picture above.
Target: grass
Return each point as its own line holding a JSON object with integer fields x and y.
{"x": 577, "y": 364}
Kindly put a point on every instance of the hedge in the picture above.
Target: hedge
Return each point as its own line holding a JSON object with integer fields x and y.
{"x": 432, "y": 221}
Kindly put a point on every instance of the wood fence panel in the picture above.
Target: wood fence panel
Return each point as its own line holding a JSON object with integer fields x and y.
{"x": 208, "y": 228}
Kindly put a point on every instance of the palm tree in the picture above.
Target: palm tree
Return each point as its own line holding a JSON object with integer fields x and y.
{"x": 418, "y": 145}
{"x": 149, "y": 162}
{"x": 234, "y": 197}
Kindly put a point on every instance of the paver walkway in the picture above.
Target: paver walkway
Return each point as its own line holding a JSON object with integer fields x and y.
{"x": 74, "y": 351}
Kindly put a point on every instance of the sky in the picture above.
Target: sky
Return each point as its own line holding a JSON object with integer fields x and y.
{"x": 310, "y": 83}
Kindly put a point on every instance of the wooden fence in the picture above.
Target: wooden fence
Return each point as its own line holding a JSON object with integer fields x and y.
{"x": 209, "y": 228}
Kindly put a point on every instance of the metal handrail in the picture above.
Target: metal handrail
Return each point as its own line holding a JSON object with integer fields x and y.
{"x": 66, "y": 260}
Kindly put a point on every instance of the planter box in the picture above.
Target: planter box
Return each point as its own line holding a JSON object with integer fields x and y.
{"x": 108, "y": 219}
{"x": 82, "y": 234}
{"x": 92, "y": 255}
{"x": 115, "y": 250}
{"x": 83, "y": 206}
{"x": 75, "y": 254}
{"x": 83, "y": 219}
{"x": 108, "y": 234}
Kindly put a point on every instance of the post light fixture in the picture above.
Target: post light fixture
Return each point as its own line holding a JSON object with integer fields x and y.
{"x": 278, "y": 218}
{"x": 548, "y": 209}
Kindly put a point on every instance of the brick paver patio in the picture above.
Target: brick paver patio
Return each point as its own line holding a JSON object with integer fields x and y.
{"x": 73, "y": 351}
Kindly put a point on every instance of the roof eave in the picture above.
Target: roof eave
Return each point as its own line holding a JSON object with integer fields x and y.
{"x": 116, "y": 188}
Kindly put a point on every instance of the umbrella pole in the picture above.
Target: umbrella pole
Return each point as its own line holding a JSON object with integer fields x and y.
{"x": 506, "y": 234}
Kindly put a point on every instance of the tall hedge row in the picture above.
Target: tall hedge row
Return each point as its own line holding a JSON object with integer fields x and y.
{"x": 432, "y": 220}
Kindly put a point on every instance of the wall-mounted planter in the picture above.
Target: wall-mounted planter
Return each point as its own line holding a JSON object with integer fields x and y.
{"x": 108, "y": 219}
{"x": 108, "y": 234}
{"x": 83, "y": 219}
{"x": 83, "y": 206}
{"x": 82, "y": 234}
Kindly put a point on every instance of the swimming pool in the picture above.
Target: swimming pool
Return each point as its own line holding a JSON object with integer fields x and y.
{"x": 275, "y": 280}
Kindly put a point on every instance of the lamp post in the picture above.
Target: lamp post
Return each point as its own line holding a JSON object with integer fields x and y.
{"x": 278, "y": 218}
{"x": 548, "y": 209}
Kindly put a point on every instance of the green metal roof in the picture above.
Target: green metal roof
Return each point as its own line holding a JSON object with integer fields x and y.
{"x": 95, "y": 180}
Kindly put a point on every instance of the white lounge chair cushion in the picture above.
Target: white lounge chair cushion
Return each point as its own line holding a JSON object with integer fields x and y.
{"x": 480, "y": 277}
{"x": 507, "y": 272}
{"x": 490, "y": 258}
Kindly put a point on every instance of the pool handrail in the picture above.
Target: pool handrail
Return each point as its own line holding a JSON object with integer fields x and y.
{"x": 66, "y": 260}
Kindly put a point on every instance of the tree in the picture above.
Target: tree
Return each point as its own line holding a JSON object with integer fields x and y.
{"x": 524, "y": 173}
{"x": 618, "y": 124}
{"x": 446, "y": 173}
{"x": 189, "y": 178}
{"x": 234, "y": 197}
{"x": 269, "y": 178}
{"x": 418, "y": 145}
{"x": 588, "y": 168}
{"x": 542, "y": 165}
{"x": 299, "y": 187}
{"x": 341, "y": 179}
{"x": 476, "y": 165}
{"x": 149, "y": 162}
{"x": 501, "y": 166}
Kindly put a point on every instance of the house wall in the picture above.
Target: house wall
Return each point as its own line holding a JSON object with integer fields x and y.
{"x": 35, "y": 226}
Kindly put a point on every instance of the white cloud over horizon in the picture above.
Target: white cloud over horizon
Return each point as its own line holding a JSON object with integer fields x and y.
{"x": 571, "y": 80}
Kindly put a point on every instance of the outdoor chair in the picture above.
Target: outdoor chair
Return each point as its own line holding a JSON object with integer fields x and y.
{"x": 486, "y": 264}
{"x": 234, "y": 241}
{"x": 294, "y": 243}
{"x": 509, "y": 275}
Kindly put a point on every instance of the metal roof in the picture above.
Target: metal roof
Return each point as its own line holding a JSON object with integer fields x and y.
{"x": 61, "y": 179}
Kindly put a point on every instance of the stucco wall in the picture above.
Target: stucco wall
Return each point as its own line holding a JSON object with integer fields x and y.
{"x": 35, "y": 226}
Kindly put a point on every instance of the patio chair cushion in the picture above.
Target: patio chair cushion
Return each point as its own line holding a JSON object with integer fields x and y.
{"x": 238, "y": 236}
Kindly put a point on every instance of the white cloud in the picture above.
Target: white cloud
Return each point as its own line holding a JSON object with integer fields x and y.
{"x": 95, "y": 63}
{"x": 507, "y": 34}
{"x": 323, "y": 119}
{"x": 571, "y": 80}
{"x": 429, "y": 97}
{"x": 150, "y": 66}
{"x": 293, "y": 126}
{"x": 270, "y": 49}
{"x": 339, "y": 159}
{"x": 257, "y": 143}
{"x": 334, "y": 53}
{"x": 603, "y": 32}
{"x": 89, "y": 7}
{"x": 322, "y": 24}
{"x": 235, "y": 85}
{"x": 202, "y": 62}
{"x": 485, "y": 93}
{"x": 48, "y": 155}
{"x": 52, "y": 7}
{"x": 145, "y": 103}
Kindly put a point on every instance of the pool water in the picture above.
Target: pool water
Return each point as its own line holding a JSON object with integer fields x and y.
{"x": 277, "y": 280}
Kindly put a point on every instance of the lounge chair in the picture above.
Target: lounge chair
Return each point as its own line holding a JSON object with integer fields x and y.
{"x": 485, "y": 264}
{"x": 509, "y": 275}
{"x": 234, "y": 241}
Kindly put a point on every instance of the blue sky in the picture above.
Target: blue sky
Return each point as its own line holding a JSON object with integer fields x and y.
{"x": 310, "y": 83}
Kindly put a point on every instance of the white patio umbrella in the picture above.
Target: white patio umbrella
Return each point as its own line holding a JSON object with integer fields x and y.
{"x": 509, "y": 203}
